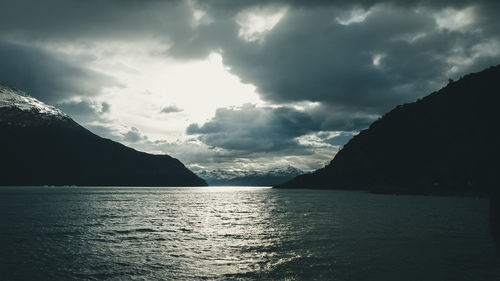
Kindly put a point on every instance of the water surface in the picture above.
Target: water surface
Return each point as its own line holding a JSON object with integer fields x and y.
{"x": 240, "y": 233}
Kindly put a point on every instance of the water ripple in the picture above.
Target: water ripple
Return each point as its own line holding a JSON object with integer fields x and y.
{"x": 240, "y": 234}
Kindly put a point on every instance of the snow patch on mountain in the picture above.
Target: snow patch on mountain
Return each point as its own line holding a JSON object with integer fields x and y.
{"x": 244, "y": 177}
{"x": 14, "y": 98}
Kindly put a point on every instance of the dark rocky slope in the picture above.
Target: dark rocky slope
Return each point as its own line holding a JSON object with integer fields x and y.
{"x": 40, "y": 145}
{"x": 445, "y": 143}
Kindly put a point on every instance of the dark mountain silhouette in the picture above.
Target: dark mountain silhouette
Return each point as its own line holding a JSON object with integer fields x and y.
{"x": 495, "y": 218}
{"x": 445, "y": 143}
{"x": 253, "y": 178}
{"x": 40, "y": 145}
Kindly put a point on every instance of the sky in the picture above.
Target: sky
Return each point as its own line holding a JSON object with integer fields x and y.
{"x": 240, "y": 85}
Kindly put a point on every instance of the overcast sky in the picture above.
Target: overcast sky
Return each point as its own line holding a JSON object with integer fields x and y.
{"x": 244, "y": 85}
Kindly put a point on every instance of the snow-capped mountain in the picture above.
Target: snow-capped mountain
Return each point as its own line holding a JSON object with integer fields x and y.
{"x": 250, "y": 178}
{"x": 41, "y": 145}
{"x": 14, "y": 98}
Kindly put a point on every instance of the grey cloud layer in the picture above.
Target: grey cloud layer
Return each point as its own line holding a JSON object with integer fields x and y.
{"x": 84, "y": 111}
{"x": 256, "y": 129}
{"x": 307, "y": 56}
{"x": 26, "y": 25}
{"x": 48, "y": 76}
{"x": 74, "y": 19}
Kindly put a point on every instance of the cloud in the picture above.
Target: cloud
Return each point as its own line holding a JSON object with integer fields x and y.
{"x": 396, "y": 52}
{"x": 258, "y": 129}
{"x": 171, "y": 109}
{"x": 133, "y": 135}
{"x": 47, "y": 76}
{"x": 340, "y": 139}
{"x": 82, "y": 20}
{"x": 225, "y": 6}
{"x": 84, "y": 108}
{"x": 309, "y": 57}
{"x": 198, "y": 156}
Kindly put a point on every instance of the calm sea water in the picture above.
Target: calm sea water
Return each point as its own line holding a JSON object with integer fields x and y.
{"x": 241, "y": 233}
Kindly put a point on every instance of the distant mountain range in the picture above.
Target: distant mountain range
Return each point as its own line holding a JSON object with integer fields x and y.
{"x": 250, "y": 178}
{"x": 41, "y": 145}
{"x": 447, "y": 142}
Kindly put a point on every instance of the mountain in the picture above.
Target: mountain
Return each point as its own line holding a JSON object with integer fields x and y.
{"x": 40, "y": 145}
{"x": 252, "y": 178}
{"x": 445, "y": 143}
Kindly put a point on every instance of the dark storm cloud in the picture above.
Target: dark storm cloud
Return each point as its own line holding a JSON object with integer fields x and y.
{"x": 275, "y": 130}
{"x": 307, "y": 56}
{"x": 75, "y": 19}
{"x": 225, "y": 6}
{"x": 397, "y": 54}
{"x": 251, "y": 128}
{"x": 356, "y": 72}
{"x": 53, "y": 77}
{"x": 335, "y": 63}
{"x": 117, "y": 18}
{"x": 46, "y": 76}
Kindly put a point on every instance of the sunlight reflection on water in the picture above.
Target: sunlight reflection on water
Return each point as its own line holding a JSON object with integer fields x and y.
{"x": 221, "y": 233}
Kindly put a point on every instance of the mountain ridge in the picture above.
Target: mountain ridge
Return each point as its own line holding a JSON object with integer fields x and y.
{"x": 443, "y": 143}
{"x": 41, "y": 145}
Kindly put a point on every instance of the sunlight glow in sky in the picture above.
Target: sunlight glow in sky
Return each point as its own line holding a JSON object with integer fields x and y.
{"x": 149, "y": 83}
{"x": 198, "y": 88}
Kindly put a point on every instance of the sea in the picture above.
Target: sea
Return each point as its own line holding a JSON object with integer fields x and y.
{"x": 241, "y": 233}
